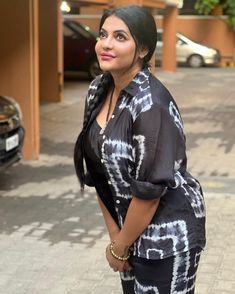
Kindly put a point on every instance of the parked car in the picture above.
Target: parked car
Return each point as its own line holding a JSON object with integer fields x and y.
{"x": 189, "y": 52}
{"x": 11, "y": 132}
{"x": 79, "y": 48}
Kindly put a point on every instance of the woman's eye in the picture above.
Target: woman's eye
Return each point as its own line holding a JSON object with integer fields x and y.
{"x": 102, "y": 35}
{"x": 120, "y": 37}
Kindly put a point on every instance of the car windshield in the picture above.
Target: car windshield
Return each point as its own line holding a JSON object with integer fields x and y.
{"x": 82, "y": 29}
{"x": 184, "y": 38}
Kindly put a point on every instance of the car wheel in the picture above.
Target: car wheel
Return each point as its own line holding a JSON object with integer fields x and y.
{"x": 94, "y": 69}
{"x": 195, "y": 61}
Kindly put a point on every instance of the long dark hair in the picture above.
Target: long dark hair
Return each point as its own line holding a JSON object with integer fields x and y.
{"x": 143, "y": 29}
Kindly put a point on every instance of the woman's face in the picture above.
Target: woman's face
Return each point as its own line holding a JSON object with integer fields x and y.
{"x": 116, "y": 47}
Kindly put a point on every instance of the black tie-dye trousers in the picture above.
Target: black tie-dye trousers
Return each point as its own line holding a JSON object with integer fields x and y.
{"x": 173, "y": 275}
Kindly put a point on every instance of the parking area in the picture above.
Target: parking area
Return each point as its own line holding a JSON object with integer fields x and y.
{"x": 52, "y": 239}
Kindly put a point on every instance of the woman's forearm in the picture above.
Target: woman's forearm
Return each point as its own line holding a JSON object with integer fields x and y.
{"x": 139, "y": 216}
{"x": 111, "y": 225}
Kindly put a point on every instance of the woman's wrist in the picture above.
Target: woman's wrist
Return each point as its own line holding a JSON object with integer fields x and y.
{"x": 122, "y": 240}
{"x": 119, "y": 251}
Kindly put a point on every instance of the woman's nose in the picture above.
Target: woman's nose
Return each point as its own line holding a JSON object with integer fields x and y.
{"x": 107, "y": 43}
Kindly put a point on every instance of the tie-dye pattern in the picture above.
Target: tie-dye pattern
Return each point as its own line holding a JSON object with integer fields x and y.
{"x": 143, "y": 150}
{"x": 181, "y": 277}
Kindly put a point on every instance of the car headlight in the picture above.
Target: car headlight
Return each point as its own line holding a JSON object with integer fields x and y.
{"x": 210, "y": 53}
{"x": 16, "y": 105}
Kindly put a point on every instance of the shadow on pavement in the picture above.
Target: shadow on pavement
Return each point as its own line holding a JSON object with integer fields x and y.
{"x": 41, "y": 200}
{"x": 221, "y": 118}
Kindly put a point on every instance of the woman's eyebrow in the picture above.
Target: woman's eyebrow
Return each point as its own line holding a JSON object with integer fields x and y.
{"x": 116, "y": 31}
{"x": 121, "y": 31}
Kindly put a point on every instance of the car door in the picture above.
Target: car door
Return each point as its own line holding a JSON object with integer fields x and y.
{"x": 77, "y": 49}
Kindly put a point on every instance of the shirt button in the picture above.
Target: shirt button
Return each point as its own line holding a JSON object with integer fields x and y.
{"x": 117, "y": 201}
{"x": 102, "y": 161}
{"x": 113, "y": 116}
{"x": 109, "y": 183}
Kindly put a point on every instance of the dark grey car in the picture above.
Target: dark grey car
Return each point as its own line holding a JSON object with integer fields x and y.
{"x": 11, "y": 132}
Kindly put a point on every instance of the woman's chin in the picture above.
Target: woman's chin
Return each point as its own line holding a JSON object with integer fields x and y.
{"x": 106, "y": 67}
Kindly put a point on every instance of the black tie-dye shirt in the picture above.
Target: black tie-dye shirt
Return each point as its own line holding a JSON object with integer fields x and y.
{"x": 141, "y": 153}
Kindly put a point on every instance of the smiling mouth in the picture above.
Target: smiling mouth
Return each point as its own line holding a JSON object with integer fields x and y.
{"x": 106, "y": 56}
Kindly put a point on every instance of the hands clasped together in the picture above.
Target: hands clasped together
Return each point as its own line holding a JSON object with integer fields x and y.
{"x": 117, "y": 256}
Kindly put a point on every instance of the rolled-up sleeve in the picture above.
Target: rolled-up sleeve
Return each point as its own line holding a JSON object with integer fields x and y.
{"x": 155, "y": 141}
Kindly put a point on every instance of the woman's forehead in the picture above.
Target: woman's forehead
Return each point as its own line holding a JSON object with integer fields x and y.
{"x": 114, "y": 23}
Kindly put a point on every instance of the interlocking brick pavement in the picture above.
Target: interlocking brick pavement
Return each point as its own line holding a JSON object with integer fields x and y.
{"x": 52, "y": 239}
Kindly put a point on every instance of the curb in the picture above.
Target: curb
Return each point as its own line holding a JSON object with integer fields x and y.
{"x": 227, "y": 64}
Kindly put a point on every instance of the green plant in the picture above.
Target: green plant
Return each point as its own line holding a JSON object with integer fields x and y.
{"x": 229, "y": 9}
{"x": 206, "y": 7}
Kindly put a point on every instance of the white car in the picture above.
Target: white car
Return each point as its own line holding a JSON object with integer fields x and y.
{"x": 189, "y": 52}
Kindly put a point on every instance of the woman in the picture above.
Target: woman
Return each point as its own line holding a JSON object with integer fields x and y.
{"x": 134, "y": 149}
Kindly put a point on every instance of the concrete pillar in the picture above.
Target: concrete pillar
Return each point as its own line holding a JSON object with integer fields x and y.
{"x": 169, "y": 39}
{"x": 19, "y": 65}
{"x": 51, "y": 51}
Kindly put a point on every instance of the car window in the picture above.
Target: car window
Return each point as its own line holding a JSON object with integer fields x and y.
{"x": 67, "y": 31}
{"x": 179, "y": 41}
{"x": 84, "y": 31}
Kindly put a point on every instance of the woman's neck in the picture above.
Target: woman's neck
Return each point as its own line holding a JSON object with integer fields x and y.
{"x": 121, "y": 80}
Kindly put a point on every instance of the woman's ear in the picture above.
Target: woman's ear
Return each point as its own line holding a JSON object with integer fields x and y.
{"x": 143, "y": 52}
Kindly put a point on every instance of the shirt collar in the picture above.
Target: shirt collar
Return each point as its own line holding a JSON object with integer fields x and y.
{"x": 140, "y": 79}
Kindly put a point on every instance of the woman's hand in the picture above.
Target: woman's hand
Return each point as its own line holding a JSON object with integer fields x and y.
{"x": 115, "y": 264}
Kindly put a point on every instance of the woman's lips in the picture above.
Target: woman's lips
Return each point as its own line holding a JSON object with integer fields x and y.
{"x": 106, "y": 56}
